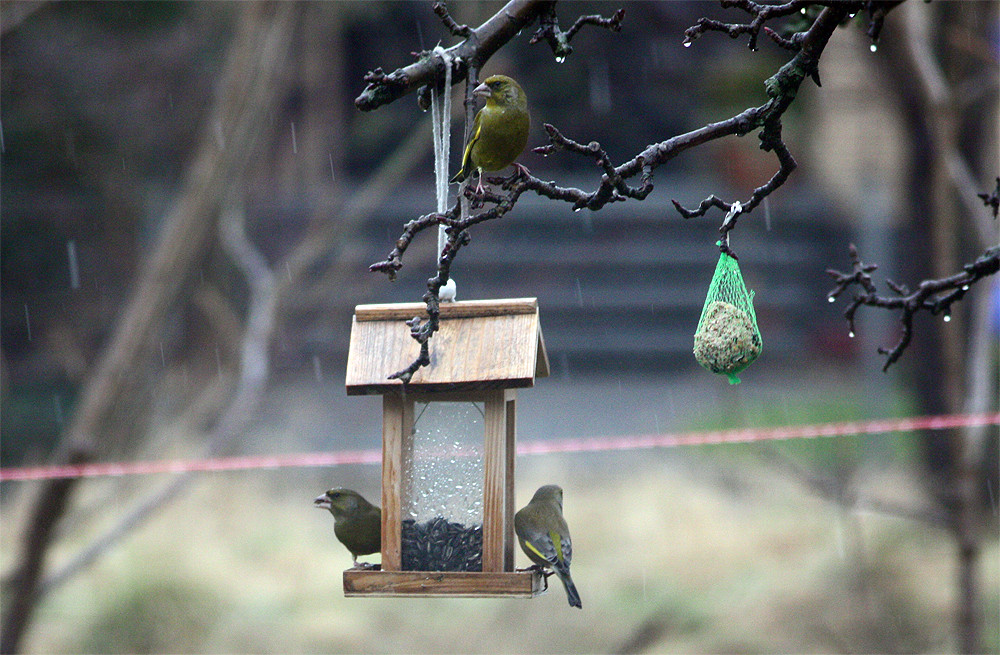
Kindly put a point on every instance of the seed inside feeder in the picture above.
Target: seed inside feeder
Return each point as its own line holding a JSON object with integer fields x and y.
{"x": 727, "y": 340}
{"x": 441, "y": 545}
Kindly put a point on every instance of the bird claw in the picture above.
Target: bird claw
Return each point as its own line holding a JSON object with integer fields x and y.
{"x": 366, "y": 566}
{"x": 539, "y": 569}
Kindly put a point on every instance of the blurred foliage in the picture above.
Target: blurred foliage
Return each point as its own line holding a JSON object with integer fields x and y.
{"x": 246, "y": 564}
{"x": 154, "y": 616}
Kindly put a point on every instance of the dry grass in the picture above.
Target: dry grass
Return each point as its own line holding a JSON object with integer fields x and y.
{"x": 674, "y": 552}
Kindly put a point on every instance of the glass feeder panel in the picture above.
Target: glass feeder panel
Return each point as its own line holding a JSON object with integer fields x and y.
{"x": 442, "y": 503}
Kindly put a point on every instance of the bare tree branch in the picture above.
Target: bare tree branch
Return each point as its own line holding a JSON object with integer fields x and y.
{"x": 244, "y": 101}
{"x": 254, "y": 371}
{"x": 21, "y": 600}
{"x": 548, "y": 29}
{"x": 992, "y": 199}
{"x": 934, "y": 296}
{"x": 479, "y": 45}
{"x": 781, "y": 89}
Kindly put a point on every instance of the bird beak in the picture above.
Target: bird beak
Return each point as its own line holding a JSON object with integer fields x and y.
{"x": 322, "y": 502}
{"x": 482, "y": 91}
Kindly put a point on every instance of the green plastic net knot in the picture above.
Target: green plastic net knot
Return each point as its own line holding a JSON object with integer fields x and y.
{"x": 727, "y": 339}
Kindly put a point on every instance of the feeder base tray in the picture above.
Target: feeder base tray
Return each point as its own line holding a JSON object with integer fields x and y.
{"x": 516, "y": 584}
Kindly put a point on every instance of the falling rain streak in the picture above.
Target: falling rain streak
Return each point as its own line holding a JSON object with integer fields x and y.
{"x": 317, "y": 369}
{"x": 74, "y": 267}
{"x": 295, "y": 146}
{"x": 27, "y": 320}
{"x": 57, "y": 407}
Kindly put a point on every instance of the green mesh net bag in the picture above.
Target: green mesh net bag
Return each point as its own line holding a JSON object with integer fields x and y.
{"x": 727, "y": 339}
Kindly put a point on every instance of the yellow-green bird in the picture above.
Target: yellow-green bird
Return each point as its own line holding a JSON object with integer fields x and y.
{"x": 544, "y": 536}
{"x": 500, "y": 130}
{"x": 357, "y": 523}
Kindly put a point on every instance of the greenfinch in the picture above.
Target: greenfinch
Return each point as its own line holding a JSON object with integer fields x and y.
{"x": 500, "y": 130}
{"x": 544, "y": 536}
{"x": 357, "y": 523}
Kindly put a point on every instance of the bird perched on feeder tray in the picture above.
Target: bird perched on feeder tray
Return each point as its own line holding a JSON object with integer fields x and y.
{"x": 544, "y": 536}
{"x": 357, "y": 523}
{"x": 500, "y": 130}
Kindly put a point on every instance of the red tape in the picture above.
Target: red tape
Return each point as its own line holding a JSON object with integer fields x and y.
{"x": 591, "y": 444}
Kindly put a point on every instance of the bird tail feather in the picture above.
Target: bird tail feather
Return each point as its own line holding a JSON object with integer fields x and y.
{"x": 572, "y": 595}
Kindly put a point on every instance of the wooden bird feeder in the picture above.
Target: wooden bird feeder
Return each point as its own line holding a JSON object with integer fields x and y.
{"x": 448, "y": 446}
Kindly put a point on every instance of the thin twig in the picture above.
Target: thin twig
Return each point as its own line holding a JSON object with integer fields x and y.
{"x": 548, "y": 29}
{"x": 935, "y": 296}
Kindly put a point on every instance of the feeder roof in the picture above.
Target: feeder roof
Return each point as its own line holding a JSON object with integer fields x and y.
{"x": 481, "y": 344}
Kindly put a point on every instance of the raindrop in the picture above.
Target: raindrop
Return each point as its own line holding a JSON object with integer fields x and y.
{"x": 803, "y": 11}
{"x": 851, "y": 334}
{"x": 687, "y": 44}
{"x": 947, "y": 318}
{"x": 576, "y": 209}
{"x": 295, "y": 147}
{"x": 560, "y": 59}
{"x": 57, "y": 406}
{"x": 965, "y": 287}
{"x": 873, "y": 47}
{"x": 27, "y": 320}
{"x": 74, "y": 268}
{"x": 219, "y": 134}
{"x": 831, "y": 299}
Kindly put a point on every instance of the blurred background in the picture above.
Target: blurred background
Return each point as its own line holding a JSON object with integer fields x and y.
{"x": 137, "y": 139}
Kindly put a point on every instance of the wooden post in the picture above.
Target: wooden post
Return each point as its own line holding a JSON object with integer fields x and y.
{"x": 397, "y": 436}
{"x": 494, "y": 483}
{"x": 510, "y": 454}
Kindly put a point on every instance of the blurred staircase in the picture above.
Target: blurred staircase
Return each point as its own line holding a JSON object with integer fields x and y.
{"x": 619, "y": 288}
